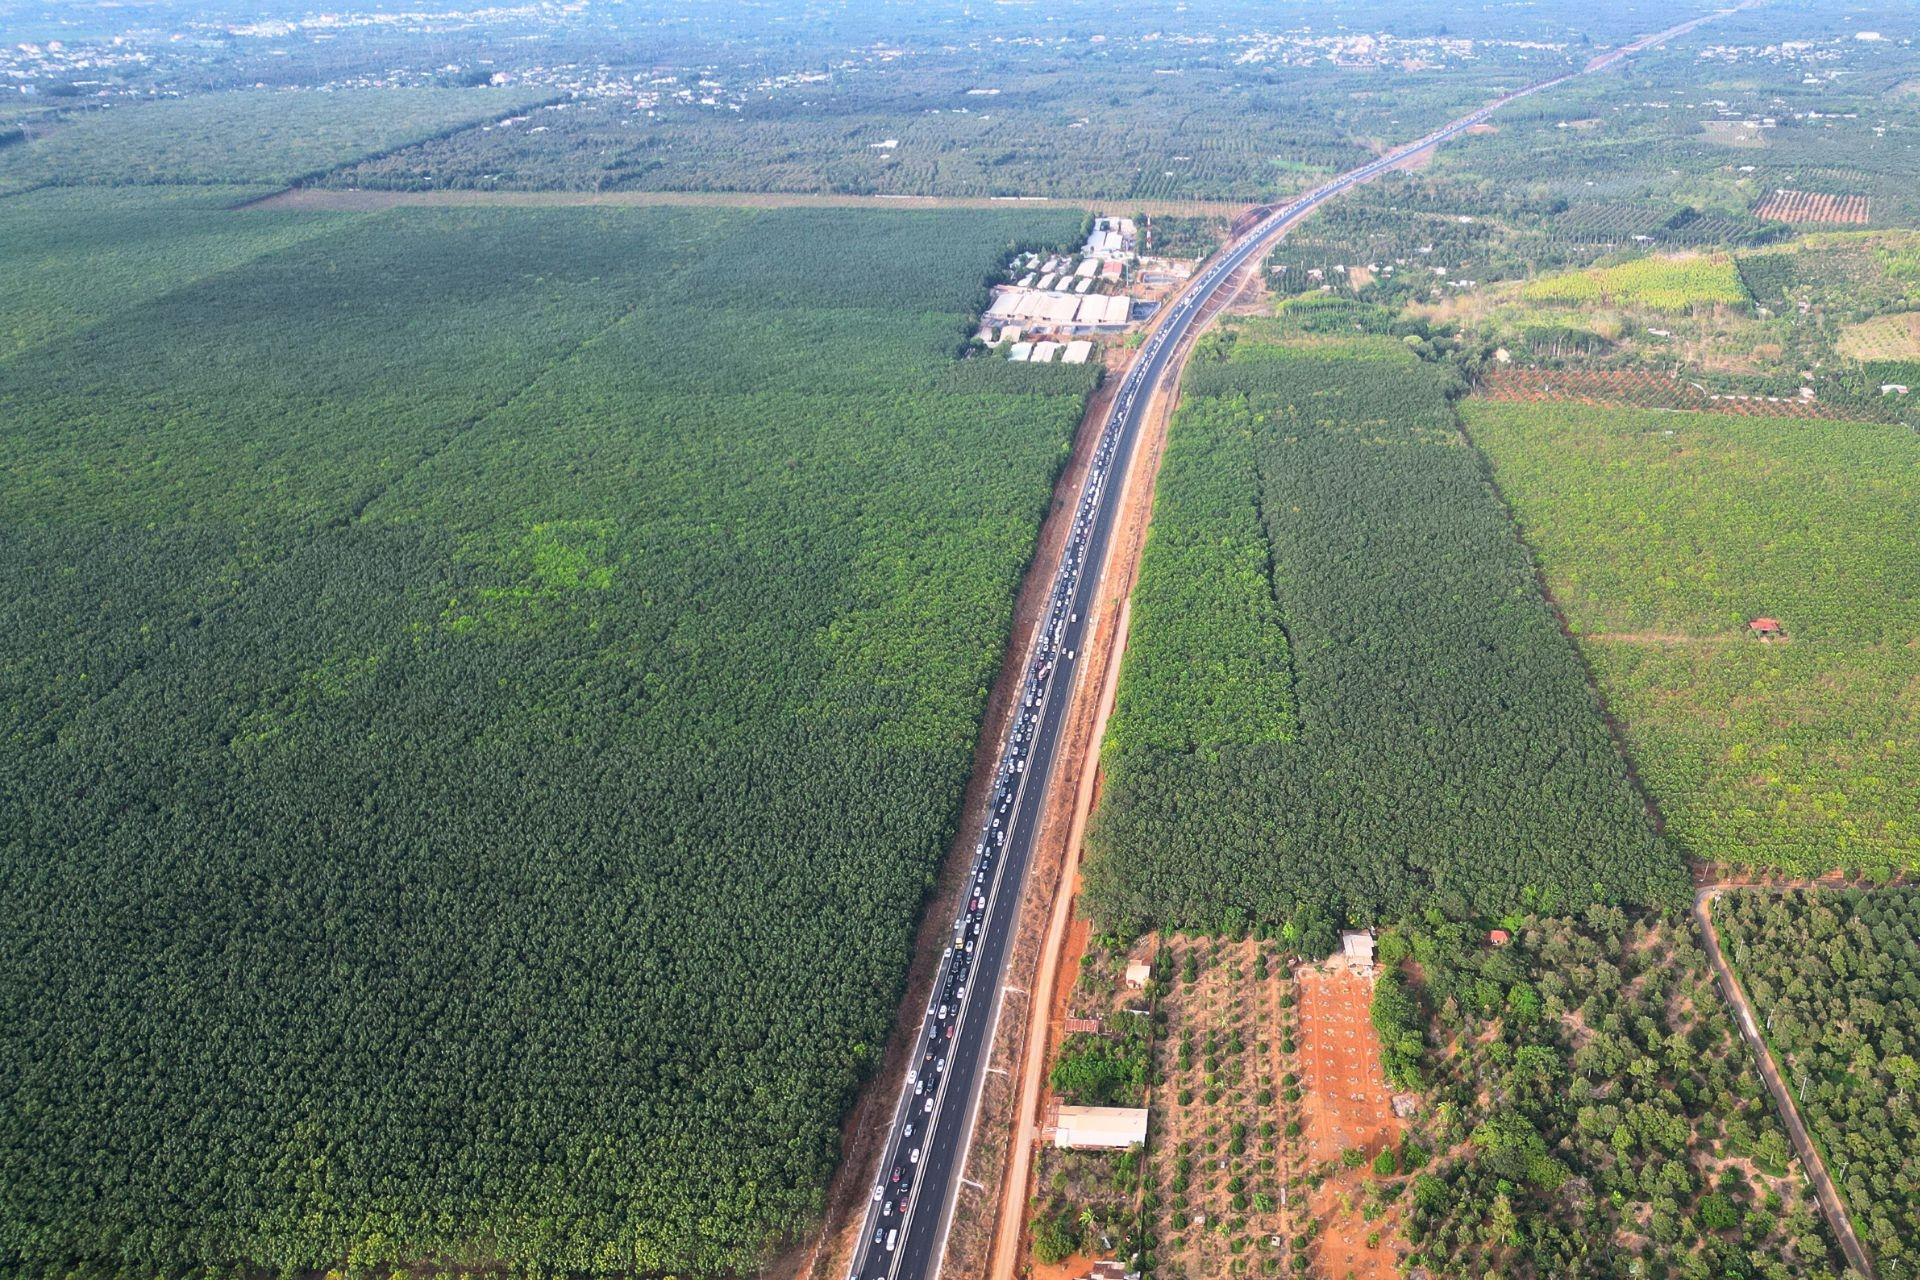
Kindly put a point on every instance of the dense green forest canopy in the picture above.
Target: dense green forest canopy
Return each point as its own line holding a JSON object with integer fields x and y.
{"x": 482, "y": 698}
{"x": 74, "y": 257}
{"x": 1836, "y": 979}
{"x": 241, "y": 137}
{"x": 1662, "y": 536}
{"x": 1447, "y": 743}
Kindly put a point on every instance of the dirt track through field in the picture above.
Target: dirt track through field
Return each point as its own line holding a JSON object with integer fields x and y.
{"x": 365, "y": 201}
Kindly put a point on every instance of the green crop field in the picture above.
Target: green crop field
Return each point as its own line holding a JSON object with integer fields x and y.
{"x": 1835, "y": 977}
{"x": 1662, "y": 535}
{"x": 1207, "y": 664}
{"x": 242, "y": 137}
{"x": 482, "y": 698}
{"x": 1658, "y": 284}
{"x": 1444, "y": 744}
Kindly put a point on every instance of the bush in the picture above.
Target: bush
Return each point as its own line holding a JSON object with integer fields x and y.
{"x": 1055, "y": 1235}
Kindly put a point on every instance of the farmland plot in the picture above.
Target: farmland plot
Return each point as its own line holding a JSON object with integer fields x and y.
{"x": 1440, "y": 739}
{"x": 1663, "y": 536}
{"x": 245, "y": 137}
{"x": 1590, "y": 1108}
{"x": 1833, "y": 976}
{"x": 1658, "y": 284}
{"x": 476, "y": 729}
{"x": 1813, "y": 206}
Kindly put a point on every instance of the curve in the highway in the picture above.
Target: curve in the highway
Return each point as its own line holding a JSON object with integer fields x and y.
{"x": 905, "y": 1227}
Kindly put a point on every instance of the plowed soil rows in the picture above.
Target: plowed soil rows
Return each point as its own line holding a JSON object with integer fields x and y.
{"x": 1645, "y": 389}
{"x": 1813, "y": 206}
{"x": 1345, "y": 1100}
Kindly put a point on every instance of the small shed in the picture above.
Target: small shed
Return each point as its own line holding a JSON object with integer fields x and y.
{"x": 1138, "y": 972}
{"x": 1357, "y": 947}
{"x": 1766, "y": 628}
{"x": 1499, "y": 937}
{"x": 1112, "y": 1128}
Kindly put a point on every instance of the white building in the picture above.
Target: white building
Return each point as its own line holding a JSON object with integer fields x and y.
{"x": 1112, "y": 1128}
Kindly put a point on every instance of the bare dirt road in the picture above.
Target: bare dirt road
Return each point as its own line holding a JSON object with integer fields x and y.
{"x": 364, "y": 201}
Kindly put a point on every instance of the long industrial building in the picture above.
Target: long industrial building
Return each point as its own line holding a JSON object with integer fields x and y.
{"x": 1061, "y": 308}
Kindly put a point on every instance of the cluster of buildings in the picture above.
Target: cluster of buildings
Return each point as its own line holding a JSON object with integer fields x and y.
{"x": 1054, "y": 298}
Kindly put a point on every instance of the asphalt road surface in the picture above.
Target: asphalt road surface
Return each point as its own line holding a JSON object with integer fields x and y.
{"x": 908, "y": 1214}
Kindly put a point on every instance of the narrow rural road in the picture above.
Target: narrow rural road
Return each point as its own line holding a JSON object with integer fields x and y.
{"x": 1830, "y": 1202}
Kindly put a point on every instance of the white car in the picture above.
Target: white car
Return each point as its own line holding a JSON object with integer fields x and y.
{"x": 913, "y": 1156}
{"x": 879, "y": 1189}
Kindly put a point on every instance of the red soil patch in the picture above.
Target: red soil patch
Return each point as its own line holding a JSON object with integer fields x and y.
{"x": 1340, "y": 1251}
{"x": 1345, "y": 1104}
{"x": 1345, "y": 1098}
{"x": 1073, "y": 947}
{"x": 1072, "y": 1267}
{"x": 1072, "y": 950}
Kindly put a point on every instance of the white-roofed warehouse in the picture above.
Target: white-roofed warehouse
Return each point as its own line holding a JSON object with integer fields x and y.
{"x": 1111, "y": 1127}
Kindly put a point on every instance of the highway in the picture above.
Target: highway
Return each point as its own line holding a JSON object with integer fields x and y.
{"x": 904, "y": 1231}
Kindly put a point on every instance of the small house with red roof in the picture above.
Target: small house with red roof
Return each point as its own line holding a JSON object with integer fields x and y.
{"x": 1766, "y": 628}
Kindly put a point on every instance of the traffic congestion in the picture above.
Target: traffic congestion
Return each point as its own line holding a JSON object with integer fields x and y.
{"x": 1050, "y": 662}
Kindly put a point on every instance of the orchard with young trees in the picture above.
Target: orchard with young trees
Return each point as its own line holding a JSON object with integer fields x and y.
{"x": 1661, "y": 536}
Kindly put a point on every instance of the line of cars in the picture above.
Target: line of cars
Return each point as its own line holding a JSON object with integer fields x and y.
{"x": 1051, "y": 658}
